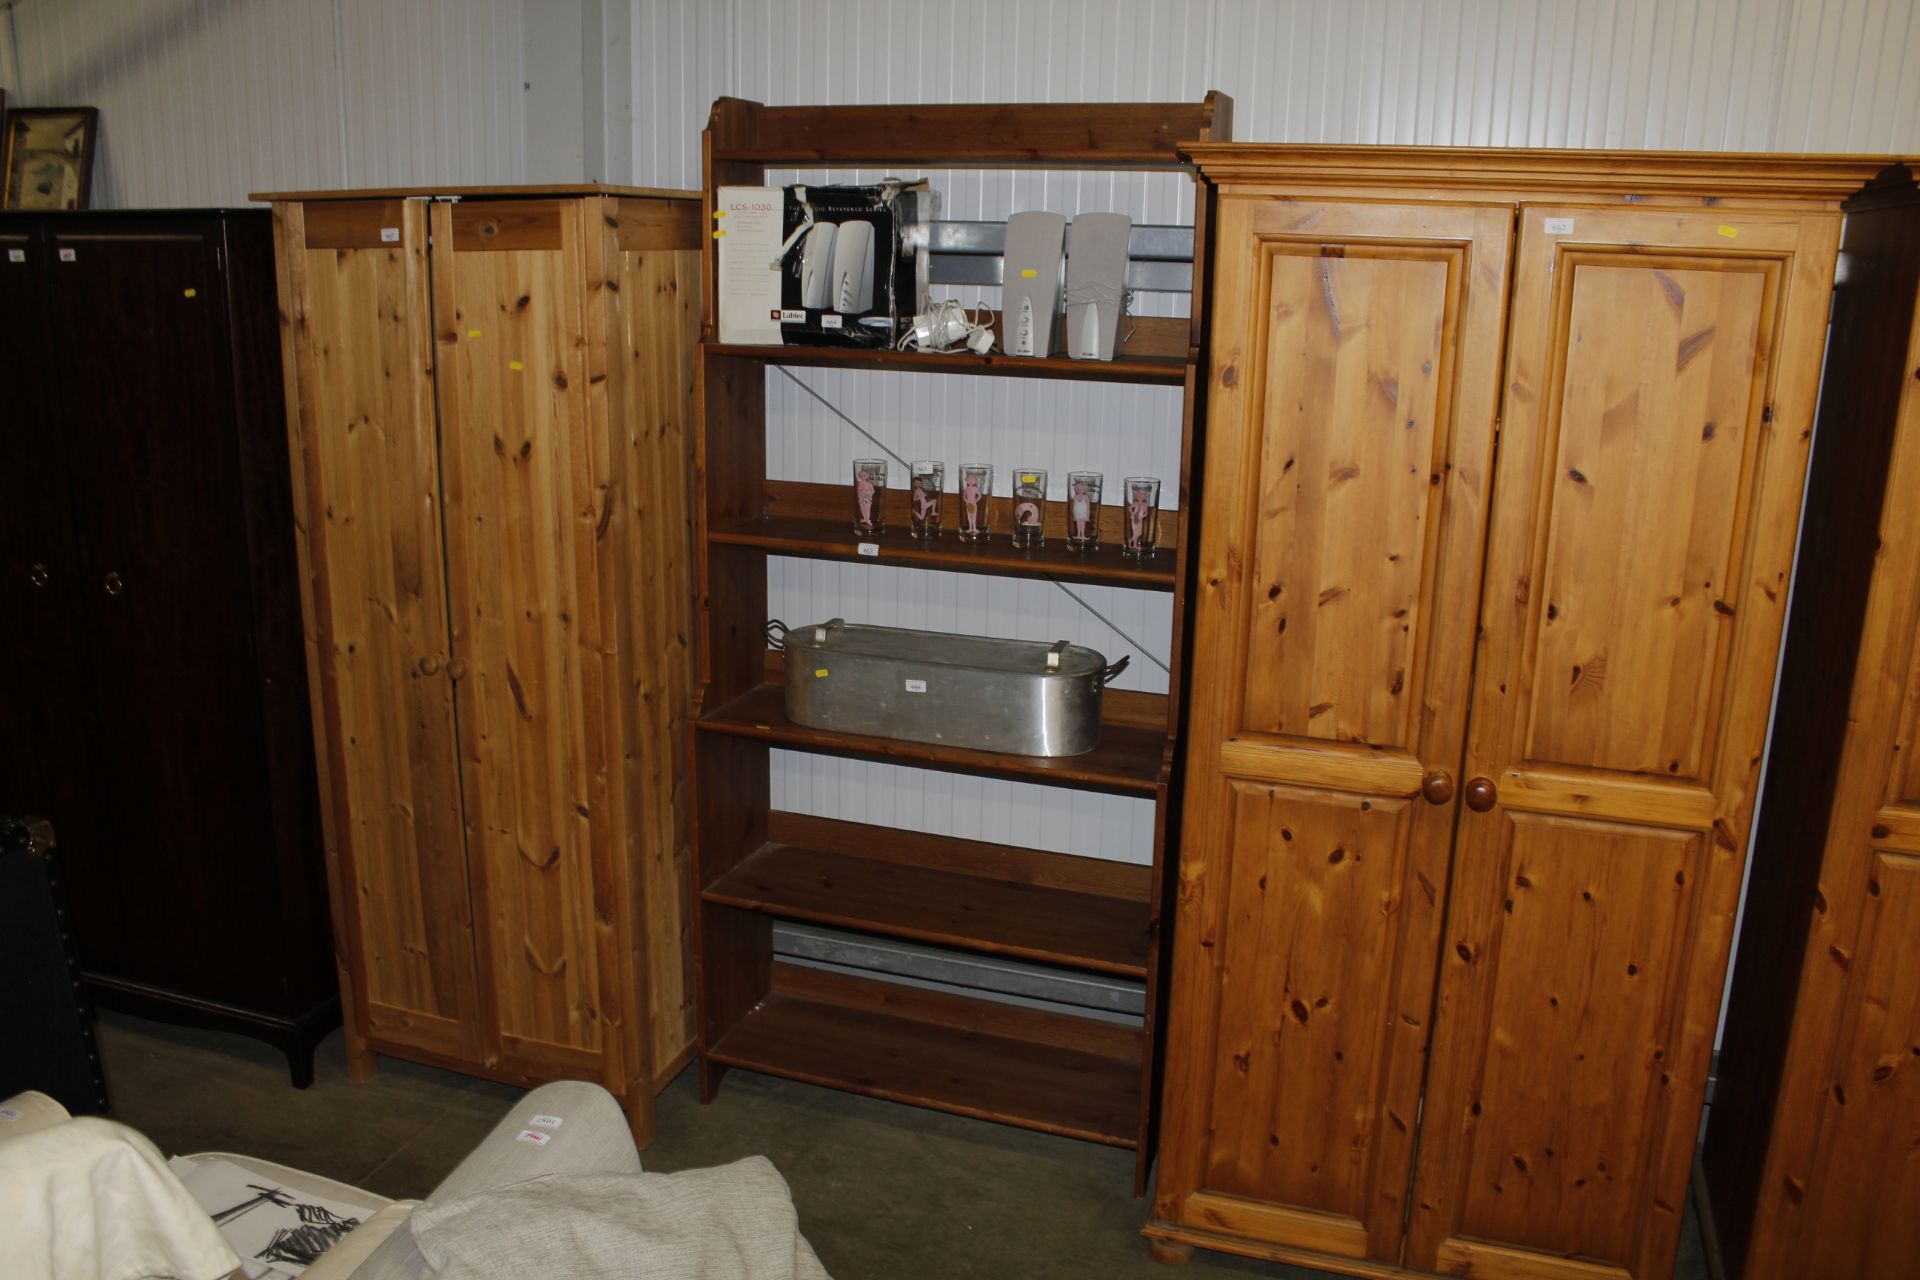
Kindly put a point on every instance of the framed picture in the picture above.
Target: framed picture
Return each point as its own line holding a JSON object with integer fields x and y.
{"x": 49, "y": 157}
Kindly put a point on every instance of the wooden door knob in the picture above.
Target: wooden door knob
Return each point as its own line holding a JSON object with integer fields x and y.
{"x": 430, "y": 664}
{"x": 1437, "y": 786}
{"x": 1482, "y": 795}
{"x": 456, "y": 670}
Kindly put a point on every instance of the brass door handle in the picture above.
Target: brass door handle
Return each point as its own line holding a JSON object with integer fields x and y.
{"x": 1437, "y": 786}
{"x": 113, "y": 583}
{"x": 1482, "y": 795}
{"x": 429, "y": 665}
{"x": 38, "y": 575}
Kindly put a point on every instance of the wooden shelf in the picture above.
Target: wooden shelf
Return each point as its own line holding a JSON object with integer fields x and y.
{"x": 1057, "y": 1073}
{"x": 1048, "y": 907}
{"x": 1130, "y": 760}
{"x": 1106, "y": 135}
{"x": 822, "y": 538}
{"x": 1165, "y": 371}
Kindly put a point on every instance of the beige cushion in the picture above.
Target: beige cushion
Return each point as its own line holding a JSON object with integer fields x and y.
{"x": 25, "y": 1112}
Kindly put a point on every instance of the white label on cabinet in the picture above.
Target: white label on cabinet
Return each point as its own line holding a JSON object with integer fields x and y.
{"x": 389, "y": 235}
{"x": 16, "y": 255}
{"x": 66, "y": 255}
{"x": 869, "y": 548}
{"x": 830, "y": 321}
{"x": 536, "y": 1138}
{"x": 1559, "y": 226}
{"x": 916, "y": 686}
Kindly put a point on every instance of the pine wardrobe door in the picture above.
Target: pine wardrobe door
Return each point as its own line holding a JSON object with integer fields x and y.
{"x": 1355, "y": 369}
{"x": 522, "y": 516}
{"x": 1658, "y": 408}
{"x": 367, "y": 526}
{"x": 1838, "y": 1191}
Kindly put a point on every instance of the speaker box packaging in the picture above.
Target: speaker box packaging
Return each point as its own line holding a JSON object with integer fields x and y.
{"x": 854, "y": 269}
{"x": 746, "y": 227}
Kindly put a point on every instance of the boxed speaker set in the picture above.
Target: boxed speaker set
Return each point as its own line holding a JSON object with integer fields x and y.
{"x": 853, "y": 266}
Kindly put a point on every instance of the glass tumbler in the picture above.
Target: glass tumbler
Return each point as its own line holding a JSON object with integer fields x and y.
{"x": 869, "y": 495}
{"x": 1083, "y": 510}
{"x": 924, "y": 498}
{"x": 1029, "y": 507}
{"x": 976, "y": 491}
{"x": 1142, "y": 528}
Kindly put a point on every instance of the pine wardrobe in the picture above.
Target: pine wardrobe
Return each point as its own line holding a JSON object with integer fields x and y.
{"x": 1504, "y": 459}
{"x": 489, "y": 393}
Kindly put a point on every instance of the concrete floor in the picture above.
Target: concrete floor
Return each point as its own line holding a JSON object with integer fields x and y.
{"x": 883, "y": 1190}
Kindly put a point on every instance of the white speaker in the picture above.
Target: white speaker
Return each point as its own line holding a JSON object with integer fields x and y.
{"x": 1097, "y": 284}
{"x": 1030, "y": 287}
{"x": 853, "y": 268}
{"x": 816, "y": 267}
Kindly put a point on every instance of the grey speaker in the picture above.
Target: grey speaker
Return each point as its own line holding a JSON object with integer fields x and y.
{"x": 1097, "y": 284}
{"x": 852, "y": 285}
{"x": 1030, "y": 286}
{"x": 816, "y": 267}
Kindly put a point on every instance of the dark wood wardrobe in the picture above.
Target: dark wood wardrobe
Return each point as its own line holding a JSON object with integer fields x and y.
{"x": 152, "y": 675}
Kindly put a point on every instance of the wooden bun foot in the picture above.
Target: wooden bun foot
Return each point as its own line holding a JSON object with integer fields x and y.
{"x": 1171, "y": 1252}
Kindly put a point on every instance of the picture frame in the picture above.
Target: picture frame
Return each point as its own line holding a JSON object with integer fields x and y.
{"x": 49, "y": 157}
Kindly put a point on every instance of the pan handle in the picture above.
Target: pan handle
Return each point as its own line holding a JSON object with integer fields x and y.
{"x": 776, "y": 634}
{"x": 1106, "y": 677}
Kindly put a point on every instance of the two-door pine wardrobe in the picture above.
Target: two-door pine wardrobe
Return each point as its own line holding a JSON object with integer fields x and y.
{"x": 1504, "y": 460}
{"x": 489, "y": 395}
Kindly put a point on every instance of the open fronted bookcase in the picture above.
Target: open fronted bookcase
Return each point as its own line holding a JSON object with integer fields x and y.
{"x": 755, "y": 865}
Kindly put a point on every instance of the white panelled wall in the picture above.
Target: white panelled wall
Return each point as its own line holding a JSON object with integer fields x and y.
{"x": 205, "y": 100}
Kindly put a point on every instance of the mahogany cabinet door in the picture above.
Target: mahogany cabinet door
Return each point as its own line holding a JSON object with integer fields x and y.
{"x": 1657, "y": 412}
{"x": 1839, "y": 1189}
{"x": 43, "y": 651}
{"x": 354, "y": 285}
{"x": 523, "y": 522}
{"x": 1355, "y": 369}
{"x": 142, "y": 398}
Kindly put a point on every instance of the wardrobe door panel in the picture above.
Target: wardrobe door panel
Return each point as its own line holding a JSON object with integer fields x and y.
{"x": 1659, "y": 401}
{"x": 368, "y": 479}
{"x": 41, "y": 648}
{"x": 182, "y": 821}
{"x": 1869, "y": 1109}
{"x": 1356, "y": 356}
{"x": 521, "y": 528}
